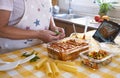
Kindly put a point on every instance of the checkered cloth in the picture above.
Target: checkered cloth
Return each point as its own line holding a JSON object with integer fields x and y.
{"x": 27, "y": 70}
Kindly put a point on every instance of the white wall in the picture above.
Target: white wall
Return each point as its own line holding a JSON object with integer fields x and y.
{"x": 86, "y": 7}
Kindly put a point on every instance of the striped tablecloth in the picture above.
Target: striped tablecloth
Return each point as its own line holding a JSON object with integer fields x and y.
{"x": 27, "y": 70}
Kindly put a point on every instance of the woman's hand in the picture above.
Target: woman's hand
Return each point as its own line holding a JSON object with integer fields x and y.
{"x": 47, "y": 35}
{"x": 59, "y": 31}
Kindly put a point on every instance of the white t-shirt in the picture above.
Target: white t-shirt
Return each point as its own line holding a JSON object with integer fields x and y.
{"x": 16, "y": 7}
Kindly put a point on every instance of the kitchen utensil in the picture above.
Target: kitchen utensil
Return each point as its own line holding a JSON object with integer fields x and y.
{"x": 11, "y": 65}
{"x": 86, "y": 26}
{"x": 75, "y": 30}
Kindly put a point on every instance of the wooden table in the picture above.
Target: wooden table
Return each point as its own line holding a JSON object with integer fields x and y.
{"x": 27, "y": 70}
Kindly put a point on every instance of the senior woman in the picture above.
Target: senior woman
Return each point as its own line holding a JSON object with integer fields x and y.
{"x": 25, "y": 23}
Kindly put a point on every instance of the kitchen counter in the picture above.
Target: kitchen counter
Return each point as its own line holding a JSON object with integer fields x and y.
{"x": 28, "y": 70}
{"x": 81, "y": 21}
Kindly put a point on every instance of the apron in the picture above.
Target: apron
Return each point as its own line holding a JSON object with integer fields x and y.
{"x": 36, "y": 17}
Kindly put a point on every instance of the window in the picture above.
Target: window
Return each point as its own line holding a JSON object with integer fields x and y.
{"x": 88, "y": 7}
{"x": 109, "y": 0}
{"x": 114, "y": 2}
{"x": 118, "y": 3}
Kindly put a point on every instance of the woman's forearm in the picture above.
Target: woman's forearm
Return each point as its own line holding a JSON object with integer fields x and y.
{"x": 12, "y": 32}
{"x": 17, "y": 33}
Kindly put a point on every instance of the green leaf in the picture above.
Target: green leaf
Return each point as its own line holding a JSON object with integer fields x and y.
{"x": 29, "y": 54}
{"x": 34, "y": 59}
{"x": 57, "y": 32}
{"x": 105, "y": 7}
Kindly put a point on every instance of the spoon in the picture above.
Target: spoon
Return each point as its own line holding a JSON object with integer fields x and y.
{"x": 11, "y": 65}
{"x": 86, "y": 26}
{"x": 75, "y": 31}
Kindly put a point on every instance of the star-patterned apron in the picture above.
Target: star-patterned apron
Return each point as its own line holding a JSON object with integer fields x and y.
{"x": 36, "y": 17}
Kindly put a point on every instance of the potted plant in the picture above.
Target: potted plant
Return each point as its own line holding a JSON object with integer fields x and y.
{"x": 104, "y": 6}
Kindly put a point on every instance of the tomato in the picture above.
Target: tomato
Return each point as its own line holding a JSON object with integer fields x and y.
{"x": 97, "y": 18}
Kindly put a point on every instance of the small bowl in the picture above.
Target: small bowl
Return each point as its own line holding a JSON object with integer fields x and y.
{"x": 95, "y": 59}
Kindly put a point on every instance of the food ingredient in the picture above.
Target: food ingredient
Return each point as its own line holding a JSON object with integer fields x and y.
{"x": 29, "y": 54}
{"x": 99, "y": 18}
